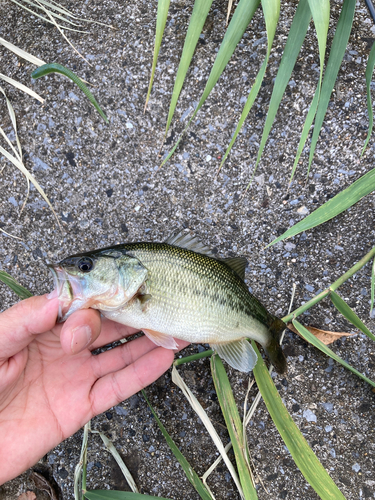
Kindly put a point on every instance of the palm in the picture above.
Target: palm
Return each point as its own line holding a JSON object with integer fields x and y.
{"x": 46, "y": 395}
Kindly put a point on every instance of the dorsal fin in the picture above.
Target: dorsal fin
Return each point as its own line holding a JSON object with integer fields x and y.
{"x": 238, "y": 264}
{"x": 185, "y": 240}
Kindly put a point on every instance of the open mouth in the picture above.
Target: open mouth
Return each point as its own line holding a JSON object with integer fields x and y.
{"x": 64, "y": 291}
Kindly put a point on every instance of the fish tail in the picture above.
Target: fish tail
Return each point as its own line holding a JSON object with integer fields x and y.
{"x": 272, "y": 347}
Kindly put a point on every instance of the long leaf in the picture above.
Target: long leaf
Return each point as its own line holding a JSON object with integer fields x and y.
{"x": 118, "y": 495}
{"x": 349, "y": 314}
{"x": 239, "y": 22}
{"x": 198, "y": 18}
{"x": 293, "y": 46}
{"x": 126, "y": 472}
{"x": 372, "y": 287}
{"x": 22, "y": 53}
{"x": 13, "y": 284}
{"x": 320, "y": 13}
{"x": 271, "y": 10}
{"x": 189, "y": 471}
{"x": 22, "y": 87}
{"x": 339, "y": 203}
{"x": 197, "y": 407}
{"x": 369, "y": 72}
{"x": 163, "y": 7}
{"x": 46, "y": 69}
{"x": 326, "y": 350}
{"x": 234, "y": 426}
{"x": 27, "y": 174}
{"x": 339, "y": 44}
{"x": 302, "y": 454}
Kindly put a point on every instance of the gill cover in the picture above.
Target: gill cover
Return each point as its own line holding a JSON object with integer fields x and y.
{"x": 105, "y": 281}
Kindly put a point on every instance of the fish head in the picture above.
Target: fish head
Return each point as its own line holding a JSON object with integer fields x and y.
{"x": 104, "y": 281}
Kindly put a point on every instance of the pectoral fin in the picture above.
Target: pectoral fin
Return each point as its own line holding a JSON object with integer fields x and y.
{"x": 161, "y": 339}
{"x": 239, "y": 355}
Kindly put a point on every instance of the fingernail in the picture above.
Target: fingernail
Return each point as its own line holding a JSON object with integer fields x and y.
{"x": 81, "y": 338}
{"x": 52, "y": 295}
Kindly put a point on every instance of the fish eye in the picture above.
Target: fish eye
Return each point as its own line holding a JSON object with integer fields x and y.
{"x": 85, "y": 264}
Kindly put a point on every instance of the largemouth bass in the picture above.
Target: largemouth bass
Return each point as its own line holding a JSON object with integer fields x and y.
{"x": 176, "y": 289}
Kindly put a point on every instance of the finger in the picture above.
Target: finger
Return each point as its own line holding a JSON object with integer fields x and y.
{"x": 21, "y": 323}
{"x": 80, "y": 330}
{"x": 121, "y": 356}
{"x": 112, "y": 331}
{"x": 115, "y": 387}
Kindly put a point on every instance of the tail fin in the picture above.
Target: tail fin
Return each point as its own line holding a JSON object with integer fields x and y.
{"x": 273, "y": 348}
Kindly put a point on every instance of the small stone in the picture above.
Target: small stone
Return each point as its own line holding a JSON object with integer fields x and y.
{"x": 63, "y": 473}
{"x": 120, "y": 410}
{"x": 309, "y": 416}
{"x": 303, "y": 210}
{"x": 328, "y": 407}
{"x": 356, "y": 467}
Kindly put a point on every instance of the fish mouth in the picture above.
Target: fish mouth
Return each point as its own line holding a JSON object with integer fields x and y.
{"x": 67, "y": 291}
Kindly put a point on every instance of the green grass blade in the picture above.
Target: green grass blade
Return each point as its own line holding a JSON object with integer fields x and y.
{"x": 271, "y": 10}
{"x": 309, "y": 337}
{"x": 293, "y": 46}
{"x": 13, "y": 284}
{"x": 372, "y": 287}
{"x": 306, "y": 129}
{"x": 198, "y": 18}
{"x": 239, "y": 22}
{"x": 369, "y": 72}
{"x": 118, "y": 495}
{"x": 339, "y": 44}
{"x": 46, "y": 69}
{"x": 163, "y": 7}
{"x": 302, "y": 454}
{"x": 320, "y": 13}
{"x": 349, "y": 314}
{"x": 234, "y": 426}
{"x": 190, "y": 473}
{"x": 339, "y": 203}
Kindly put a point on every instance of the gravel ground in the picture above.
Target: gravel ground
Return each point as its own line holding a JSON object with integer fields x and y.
{"x": 105, "y": 186}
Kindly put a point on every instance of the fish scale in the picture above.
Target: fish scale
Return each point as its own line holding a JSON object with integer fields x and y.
{"x": 216, "y": 304}
{"x": 183, "y": 294}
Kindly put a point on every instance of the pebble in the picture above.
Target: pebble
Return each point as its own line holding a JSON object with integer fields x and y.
{"x": 356, "y": 467}
{"x": 309, "y": 416}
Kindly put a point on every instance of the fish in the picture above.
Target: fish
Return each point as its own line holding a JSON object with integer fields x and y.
{"x": 178, "y": 289}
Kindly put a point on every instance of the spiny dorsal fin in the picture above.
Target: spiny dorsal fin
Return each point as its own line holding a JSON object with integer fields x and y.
{"x": 239, "y": 354}
{"x": 238, "y": 264}
{"x": 185, "y": 240}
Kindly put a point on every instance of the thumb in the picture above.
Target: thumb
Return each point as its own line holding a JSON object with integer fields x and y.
{"x": 21, "y": 323}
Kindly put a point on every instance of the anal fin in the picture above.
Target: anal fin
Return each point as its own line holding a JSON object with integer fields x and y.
{"x": 239, "y": 354}
{"x": 161, "y": 339}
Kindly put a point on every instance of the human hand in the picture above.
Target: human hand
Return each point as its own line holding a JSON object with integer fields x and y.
{"x": 51, "y": 384}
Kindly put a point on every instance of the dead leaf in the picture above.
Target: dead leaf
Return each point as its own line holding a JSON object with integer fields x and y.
{"x": 28, "y": 495}
{"x": 325, "y": 336}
